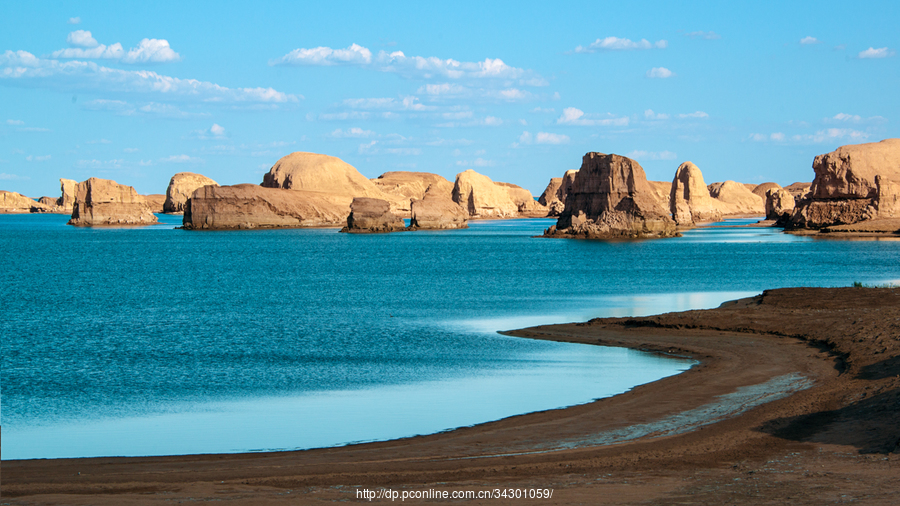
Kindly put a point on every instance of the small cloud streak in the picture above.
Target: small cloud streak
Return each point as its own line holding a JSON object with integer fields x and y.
{"x": 809, "y": 40}
{"x": 703, "y": 35}
{"x": 652, "y": 155}
{"x": 659, "y": 73}
{"x": 881, "y": 52}
{"x": 574, "y": 116}
{"x": 619, "y": 44}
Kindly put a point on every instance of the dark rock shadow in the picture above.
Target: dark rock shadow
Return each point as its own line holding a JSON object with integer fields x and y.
{"x": 871, "y": 424}
{"x": 887, "y": 368}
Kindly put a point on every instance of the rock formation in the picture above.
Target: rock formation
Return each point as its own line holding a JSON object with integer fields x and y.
{"x": 155, "y": 201}
{"x": 48, "y": 201}
{"x": 436, "y": 211}
{"x": 67, "y": 198}
{"x": 554, "y": 196}
{"x": 247, "y": 206}
{"x": 761, "y": 189}
{"x": 689, "y": 200}
{"x": 481, "y": 198}
{"x": 105, "y": 202}
{"x": 12, "y": 202}
{"x": 799, "y": 190}
{"x": 405, "y": 186}
{"x": 524, "y": 200}
{"x": 181, "y": 186}
{"x": 663, "y": 191}
{"x": 849, "y": 171}
{"x": 368, "y": 215}
{"x": 779, "y": 205}
{"x": 611, "y": 198}
{"x": 737, "y": 199}
{"x": 852, "y": 184}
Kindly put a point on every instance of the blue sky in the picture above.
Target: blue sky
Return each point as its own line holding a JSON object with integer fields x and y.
{"x": 519, "y": 91}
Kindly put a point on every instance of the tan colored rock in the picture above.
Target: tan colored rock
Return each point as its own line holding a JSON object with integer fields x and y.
{"x": 817, "y": 214}
{"x": 761, "y": 189}
{"x": 247, "y": 206}
{"x": 67, "y": 198}
{"x": 849, "y": 171}
{"x": 524, "y": 200}
{"x": 611, "y": 198}
{"x": 736, "y": 199}
{"x": 436, "y": 211}
{"x": 368, "y": 216}
{"x": 799, "y": 190}
{"x": 181, "y": 187}
{"x": 887, "y": 198}
{"x": 155, "y": 201}
{"x": 48, "y": 201}
{"x": 320, "y": 173}
{"x": 405, "y": 186}
{"x": 100, "y": 202}
{"x": 481, "y": 198}
{"x": 663, "y": 191}
{"x": 779, "y": 204}
{"x": 554, "y": 196}
{"x": 12, "y": 202}
{"x": 689, "y": 200}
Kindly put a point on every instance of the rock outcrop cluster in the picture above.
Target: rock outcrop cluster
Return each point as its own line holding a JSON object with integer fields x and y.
{"x": 779, "y": 205}
{"x": 180, "y": 189}
{"x": 406, "y": 186}
{"x": 368, "y": 215}
{"x": 249, "y": 206}
{"x": 12, "y": 202}
{"x": 100, "y": 202}
{"x": 737, "y": 199}
{"x": 554, "y": 196}
{"x": 483, "y": 198}
{"x": 853, "y": 183}
{"x": 611, "y": 198}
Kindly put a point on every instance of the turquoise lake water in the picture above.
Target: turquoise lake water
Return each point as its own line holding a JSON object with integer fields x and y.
{"x": 155, "y": 341}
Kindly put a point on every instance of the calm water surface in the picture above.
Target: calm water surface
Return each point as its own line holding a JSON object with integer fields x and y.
{"x": 153, "y": 341}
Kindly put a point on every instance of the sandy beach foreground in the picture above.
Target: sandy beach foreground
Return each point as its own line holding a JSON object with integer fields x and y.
{"x": 796, "y": 399}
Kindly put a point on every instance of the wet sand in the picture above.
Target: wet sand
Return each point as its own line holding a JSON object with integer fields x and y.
{"x": 796, "y": 399}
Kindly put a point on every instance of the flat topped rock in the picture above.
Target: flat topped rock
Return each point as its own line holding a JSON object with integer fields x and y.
{"x": 104, "y": 202}
{"x": 248, "y": 206}
{"x": 12, "y": 202}
{"x": 611, "y": 198}
{"x": 849, "y": 171}
{"x": 435, "y": 211}
{"x": 368, "y": 215}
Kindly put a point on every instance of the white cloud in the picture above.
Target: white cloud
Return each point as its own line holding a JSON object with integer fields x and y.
{"x": 151, "y": 51}
{"x": 777, "y": 136}
{"x": 617, "y": 44}
{"x": 492, "y": 121}
{"x": 12, "y": 177}
{"x": 525, "y": 138}
{"x": 82, "y": 38}
{"x": 75, "y": 21}
{"x": 43, "y": 158}
{"x": 14, "y": 122}
{"x": 444, "y": 89}
{"x": 659, "y": 73}
{"x": 411, "y": 67}
{"x": 367, "y": 148}
{"x": 882, "y": 52}
{"x": 217, "y": 130}
{"x": 543, "y": 109}
{"x": 131, "y": 150}
{"x": 32, "y": 129}
{"x": 548, "y": 138}
{"x": 478, "y": 162}
{"x": 113, "y": 52}
{"x": 832, "y": 134}
{"x": 457, "y": 115}
{"x": 22, "y": 67}
{"x": 353, "y": 55}
{"x": 354, "y": 132}
{"x": 182, "y": 159}
{"x": 710, "y": 35}
{"x": 809, "y": 40}
{"x": 649, "y": 114}
{"x": 651, "y": 155}
{"x": 854, "y": 118}
{"x": 573, "y": 116}
{"x": 408, "y": 103}
{"x": 696, "y": 114}
{"x": 847, "y": 117}
{"x": 487, "y": 121}
{"x": 115, "y": 163}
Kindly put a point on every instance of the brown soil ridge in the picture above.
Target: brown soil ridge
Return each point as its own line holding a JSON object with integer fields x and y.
{"x": 837, "y": 436}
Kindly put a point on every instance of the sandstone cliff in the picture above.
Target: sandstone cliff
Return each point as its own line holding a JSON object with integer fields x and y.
{"x": 761, "y": 189}
{"x": 852, "y": 184}
{"x": 481, "y": 198}
{"x": 799, "y": 189}
{"x": 246, "y": 206}
{"x": 779, "y": 205}
{"x": 611, "y": 198}
{"x": 67, "y": 198}
{"x": 155, "y": 201}
{"x": 405, "y": 186}
{"x": 180, "y": 188}
{"x": 524, "y": 200}
{"x": 436, "y": 211}
{"x": 368, "y": 215}
{"x": 662, "y": 190}
{"x": 736, "y": 199}
{"x": 12, "y": 202}
{"x": 101, "y": 202}
{"x": 689, "y": 200}
{"x": 554, "y": 196}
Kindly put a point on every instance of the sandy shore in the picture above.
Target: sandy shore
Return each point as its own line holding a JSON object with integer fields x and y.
{"x": 796, "y": 399}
